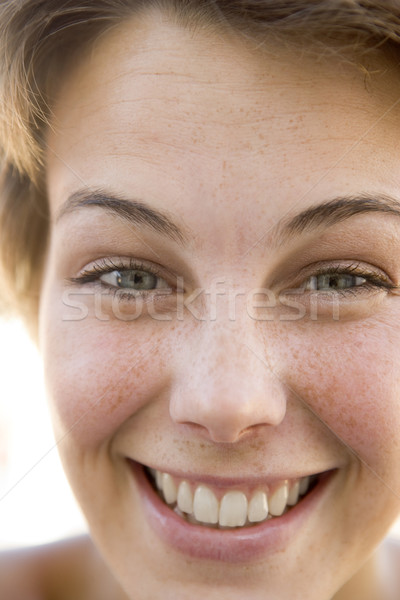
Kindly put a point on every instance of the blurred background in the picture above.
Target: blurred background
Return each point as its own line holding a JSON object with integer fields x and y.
{"x": 36, "y": 504}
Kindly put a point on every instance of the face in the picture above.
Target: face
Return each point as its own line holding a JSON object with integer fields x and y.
{"x": 220, "y": 305}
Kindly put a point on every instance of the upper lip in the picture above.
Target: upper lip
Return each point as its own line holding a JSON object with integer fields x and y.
{"x": 247, "y": 480}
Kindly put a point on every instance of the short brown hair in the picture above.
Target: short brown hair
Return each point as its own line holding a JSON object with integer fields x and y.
{"x": 36, "y": 37}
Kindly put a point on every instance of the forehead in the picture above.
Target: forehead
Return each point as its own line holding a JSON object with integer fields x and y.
{"x": 183, "y": 116}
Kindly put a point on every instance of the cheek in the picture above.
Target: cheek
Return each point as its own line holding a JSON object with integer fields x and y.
{"x": 351, "y": 382}
{"x": 99, "y": 375}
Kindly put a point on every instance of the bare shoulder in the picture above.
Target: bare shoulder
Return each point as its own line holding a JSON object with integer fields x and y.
{"x": 58, "y": 571}
{"x": 390, "y": 564}
{"x": 391, "y": 547}
{"x": 43, "y": 572}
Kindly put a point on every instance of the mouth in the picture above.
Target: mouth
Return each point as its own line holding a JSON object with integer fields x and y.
{"x": 229, "y": 520}
{"x": 237, "y": 507}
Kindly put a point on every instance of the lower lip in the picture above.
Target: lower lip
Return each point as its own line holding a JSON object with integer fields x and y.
{"x": 236, "y": 546}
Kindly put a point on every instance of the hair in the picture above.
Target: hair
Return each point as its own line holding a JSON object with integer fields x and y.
{"x": 39, "y": 37}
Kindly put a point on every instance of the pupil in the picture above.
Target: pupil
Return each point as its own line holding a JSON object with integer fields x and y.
{"x": 336, "y": 282}
{"x": 139, "y": 280}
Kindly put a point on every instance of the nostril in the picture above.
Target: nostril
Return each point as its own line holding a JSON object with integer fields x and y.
{"x": 219, "y": 433}
{"x": 222, "y": 431}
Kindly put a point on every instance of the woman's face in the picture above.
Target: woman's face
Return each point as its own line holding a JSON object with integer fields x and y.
{"x": 206, "y": 314}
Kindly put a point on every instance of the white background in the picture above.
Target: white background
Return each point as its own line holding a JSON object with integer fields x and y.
{"x": 36, "y": 505}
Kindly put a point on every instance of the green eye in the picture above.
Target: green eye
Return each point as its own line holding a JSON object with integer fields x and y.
{"x": 138, "y": 280}
{"x": 134, "y": 279}
{"x": 333, "y": 281}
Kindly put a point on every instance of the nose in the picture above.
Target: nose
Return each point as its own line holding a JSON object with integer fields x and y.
{"x": 226, "y": 387}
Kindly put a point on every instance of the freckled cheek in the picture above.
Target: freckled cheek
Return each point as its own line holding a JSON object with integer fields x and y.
{"x": 355, "y": 389}
{"x": 98, "y": 377}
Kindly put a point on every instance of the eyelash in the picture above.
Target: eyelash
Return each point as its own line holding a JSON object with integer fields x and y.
{"x": 373, "y": 281}
{"x": 107, "y": 265}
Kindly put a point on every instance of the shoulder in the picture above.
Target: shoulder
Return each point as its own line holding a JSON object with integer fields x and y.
{"x": 390, "y": 565}
{"x": 59, "y": 570}
{"x": 391, "y": 549}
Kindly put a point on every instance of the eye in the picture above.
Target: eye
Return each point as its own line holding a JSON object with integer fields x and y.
{"x": 127, "y": 279}
{"x": 355, "y": 279}
{"x": 344, "y": 290}
{"x": 134, "y": 279}
{"x": 333, "y": 281}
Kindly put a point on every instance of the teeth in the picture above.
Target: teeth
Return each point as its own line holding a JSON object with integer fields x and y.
{"x": 185, "y": 498}
{"x": 277, "y": 502}
{"x": 304, "y": 485}
{"x": 294, "y": 494}
{"x": 258, "y": 507}
{"x": 159, "y": 480}
{"x": 205, "y": 505}
{"x": 169, "y": 488}
{"x": 233, "y": 509}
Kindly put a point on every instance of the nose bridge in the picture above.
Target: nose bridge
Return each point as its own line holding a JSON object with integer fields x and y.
{"x": 227, "y": 386}
{"x": 230, "y": 361}
{"x": 237, "y": 366}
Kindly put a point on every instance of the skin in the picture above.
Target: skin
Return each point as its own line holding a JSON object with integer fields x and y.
{"x": 58, "y": 571}
{"x": 227, "y": 141}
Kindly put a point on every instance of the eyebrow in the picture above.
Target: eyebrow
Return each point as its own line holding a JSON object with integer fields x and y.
{"x": 325, "y": 214}
{"x": 336, "y": 210}
{"x": 132, "y": 211}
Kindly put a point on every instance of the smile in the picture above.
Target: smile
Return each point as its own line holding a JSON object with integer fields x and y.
{"x": 207, "y": 516}
{"x": 219, "y": 508}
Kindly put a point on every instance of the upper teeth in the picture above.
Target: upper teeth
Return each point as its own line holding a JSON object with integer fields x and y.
{"x": 234, "y": 508}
